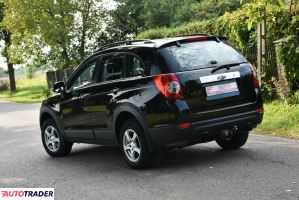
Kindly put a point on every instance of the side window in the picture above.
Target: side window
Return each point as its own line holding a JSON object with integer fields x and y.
{"x": 85, "y": 76}
{"x": 112, "y": 67}
{"x": 134, "y": 66}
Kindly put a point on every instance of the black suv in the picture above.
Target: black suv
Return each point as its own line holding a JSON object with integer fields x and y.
{"x": 148, "y": 94}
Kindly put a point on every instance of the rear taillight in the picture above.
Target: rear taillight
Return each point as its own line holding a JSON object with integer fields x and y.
{"x": 260, "y": 110}
{"x": 184, "y": 125}
{"x": 256, "y": 81}
{"x": 169, "y": 86}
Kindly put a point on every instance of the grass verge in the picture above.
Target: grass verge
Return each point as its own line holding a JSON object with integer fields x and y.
{"x": 28, "y": 91}
{"x": 280, "y": 119}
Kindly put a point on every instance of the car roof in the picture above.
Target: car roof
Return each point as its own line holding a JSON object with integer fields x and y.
{"x": 156, "y": 43}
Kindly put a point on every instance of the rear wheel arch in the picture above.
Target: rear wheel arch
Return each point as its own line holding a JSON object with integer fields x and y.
{"x": 121, "y": 119}
{"x": 123, "y": 114}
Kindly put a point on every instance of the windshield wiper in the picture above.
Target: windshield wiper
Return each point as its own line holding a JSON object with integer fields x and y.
{"x": 227, "y": 66}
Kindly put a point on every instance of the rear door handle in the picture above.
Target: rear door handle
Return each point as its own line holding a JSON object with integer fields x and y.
{"x": 82, "y": 96}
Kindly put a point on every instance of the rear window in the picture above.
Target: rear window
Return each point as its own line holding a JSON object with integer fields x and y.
{"x": 197, "y": 55}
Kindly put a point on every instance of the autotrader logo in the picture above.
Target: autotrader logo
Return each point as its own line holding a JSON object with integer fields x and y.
{"x": 27, "y": 193}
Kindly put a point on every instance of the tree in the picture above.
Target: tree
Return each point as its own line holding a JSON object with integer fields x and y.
{"x": 64, "y": 28}
{"x": 126, "y": 19}
{"x": 6, "y": 36}
{"x": 184, "y": 11}
{"x": 212, "y": 9}
{"x": 158, "y": 13}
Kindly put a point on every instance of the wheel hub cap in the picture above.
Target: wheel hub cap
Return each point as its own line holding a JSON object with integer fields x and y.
{"x": 52, "y": 139}
{"x": 131, "y": 145}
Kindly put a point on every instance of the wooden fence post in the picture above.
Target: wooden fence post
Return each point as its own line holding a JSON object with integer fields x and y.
{"x": 261, "y": 45}
{"x": 280, "y": 72}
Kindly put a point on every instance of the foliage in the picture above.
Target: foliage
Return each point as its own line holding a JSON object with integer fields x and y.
{"x": 288, "y": 53}
{"x": 46, "y": 92}
{"x": 172, "y": 13}
{"x": 60, "y": 32}
{"x": 3, "y": 85}
{"x": 119, "y": 27}
{"x": 280, "y": 119}
{"x": 211, "y": 9}
{"x": 189, "y": 28}
{"x": 5, "y": 35}
{"x": 158, "y": 13}
{"x": 294, "y": 98}
{"x": 184, "y": 12}
{"x": 29, "y": 72}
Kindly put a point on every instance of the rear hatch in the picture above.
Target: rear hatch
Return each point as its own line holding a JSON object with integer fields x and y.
{"x": 216, "y": 80}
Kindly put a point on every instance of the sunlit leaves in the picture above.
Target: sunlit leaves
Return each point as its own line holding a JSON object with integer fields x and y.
{"x": 64, "y": 27}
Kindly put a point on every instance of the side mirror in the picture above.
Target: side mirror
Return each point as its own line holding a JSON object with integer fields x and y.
{"x": 59, "y": 87}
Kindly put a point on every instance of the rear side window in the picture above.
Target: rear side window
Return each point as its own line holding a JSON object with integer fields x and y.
{"x": 112, "y": 66}
{"x": 134, "y": 66}
{"x": 197, "y": 55}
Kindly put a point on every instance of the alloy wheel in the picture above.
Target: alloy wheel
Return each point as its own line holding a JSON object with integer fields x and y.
{"x": 52, "y": 138}
{"x": 131, "y": 145}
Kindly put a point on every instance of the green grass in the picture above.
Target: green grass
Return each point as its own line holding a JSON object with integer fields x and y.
{"x": 280, "y": 119}
{"x": 28, "y": 91}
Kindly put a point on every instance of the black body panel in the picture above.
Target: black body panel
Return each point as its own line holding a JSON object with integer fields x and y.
{"x": 94, "y": 112}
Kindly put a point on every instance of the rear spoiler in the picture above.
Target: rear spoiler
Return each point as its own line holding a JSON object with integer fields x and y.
{"x": 194, "y": 39}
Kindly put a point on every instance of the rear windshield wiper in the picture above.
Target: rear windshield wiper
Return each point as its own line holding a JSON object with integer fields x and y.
{"x": 227, "y": 66}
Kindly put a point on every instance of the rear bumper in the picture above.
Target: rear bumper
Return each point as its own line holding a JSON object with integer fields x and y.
{"x": 203, "y": 131}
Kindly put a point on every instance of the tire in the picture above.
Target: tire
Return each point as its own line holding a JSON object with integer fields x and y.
{"x": 134, "y": 146}
{"x": 53, "y": 140}
{"x": 233, "y": 142}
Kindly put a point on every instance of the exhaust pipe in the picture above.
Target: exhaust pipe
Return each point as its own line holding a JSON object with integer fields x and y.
{"x": 228, "y": 133}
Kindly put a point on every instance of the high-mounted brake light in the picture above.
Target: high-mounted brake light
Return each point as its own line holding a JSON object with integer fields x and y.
{"x": 169, "y": 86}
{"x": 256, "y": 81}
{"x": 193, "y": 39}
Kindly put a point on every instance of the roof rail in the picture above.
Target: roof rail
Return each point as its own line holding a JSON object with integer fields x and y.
{"x": 195, "y": 34}
{"x": 127, "y": 42}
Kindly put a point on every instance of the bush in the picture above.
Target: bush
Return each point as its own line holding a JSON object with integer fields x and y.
{"x": 288, "y": 53}
{"x": 4, "y": 86}
{"x": 294, "y": 99}
{"x": 205, "y": 26}
{"x": 46, "y": 92}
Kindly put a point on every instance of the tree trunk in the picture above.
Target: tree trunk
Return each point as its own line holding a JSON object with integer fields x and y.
{"x": 11, "y": 74}
{"x": 82, "y": 42}
{"x": 85, "y": 21}
{"x": 293, "y": 7}
{"x": 65, "y": 56}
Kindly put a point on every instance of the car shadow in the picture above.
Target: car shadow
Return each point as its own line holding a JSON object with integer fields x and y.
{"x": 94, "y": 158}
{"x": 200, "y": 156}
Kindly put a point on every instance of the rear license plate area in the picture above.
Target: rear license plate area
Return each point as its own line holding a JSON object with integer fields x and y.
{"x": 222, "y": 90}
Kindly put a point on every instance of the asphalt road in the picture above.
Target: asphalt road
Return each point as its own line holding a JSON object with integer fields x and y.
{"x": 266, "y": 168}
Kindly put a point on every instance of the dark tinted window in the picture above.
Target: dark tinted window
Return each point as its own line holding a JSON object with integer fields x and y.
{"x": 84, "y": 77}
{"x": 112, "y": 66}
{"x": 147, "y": 57}
{"x": 134, "y": 66}
{"x": 196, "y": 55}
